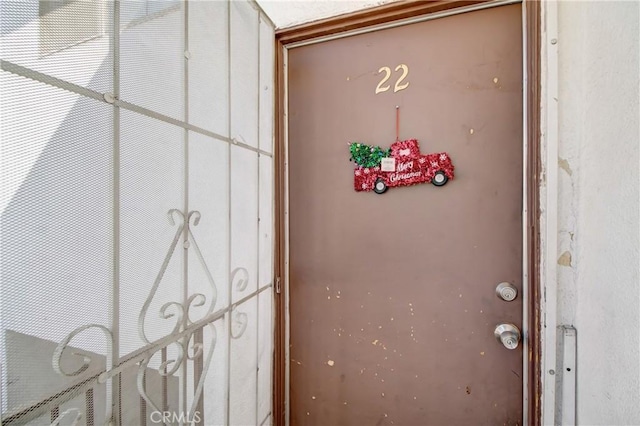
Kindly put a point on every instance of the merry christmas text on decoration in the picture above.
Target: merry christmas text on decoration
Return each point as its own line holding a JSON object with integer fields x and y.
{"x": 401, "y": 165}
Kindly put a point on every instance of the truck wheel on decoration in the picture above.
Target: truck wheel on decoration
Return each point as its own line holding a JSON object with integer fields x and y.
{"x": 378, "y": 169}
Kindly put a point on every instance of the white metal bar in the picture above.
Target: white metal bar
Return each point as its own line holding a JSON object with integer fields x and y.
{"x": 258, "y": 236}
{"x": 165, "y": 381}
{"x": 188, "y": 126}
{"x": 229, "y": 177}
{"x": 566, "y": 377}
{"x": 198, "y": 370}
{"x": 184, "y": 369}
{"x": 50, "y": 80}
{"x": 111, "y": 390}
{"x": 74, "y": 88}
{"x": 402, "y": 22}
{"x": 525, "y": 221}
{"x": 287, "y": 317}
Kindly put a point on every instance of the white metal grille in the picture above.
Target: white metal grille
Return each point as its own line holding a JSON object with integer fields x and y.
{"x": 137, "y": 212}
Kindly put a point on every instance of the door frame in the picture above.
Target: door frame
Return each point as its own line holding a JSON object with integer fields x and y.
{"x": 388, "y": 16}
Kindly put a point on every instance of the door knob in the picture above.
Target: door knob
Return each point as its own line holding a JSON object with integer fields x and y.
{"x": 508, "y": 335}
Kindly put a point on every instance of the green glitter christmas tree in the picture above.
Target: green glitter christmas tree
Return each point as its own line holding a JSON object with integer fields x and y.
{"x": 367, "y": 155}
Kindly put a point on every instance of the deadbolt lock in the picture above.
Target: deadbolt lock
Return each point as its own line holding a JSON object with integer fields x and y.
{"x": 506, "y": 291}
{"x": 508, "y": 335}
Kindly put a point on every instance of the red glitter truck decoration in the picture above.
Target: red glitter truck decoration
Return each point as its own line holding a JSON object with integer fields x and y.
{"x": 401, "y": 165}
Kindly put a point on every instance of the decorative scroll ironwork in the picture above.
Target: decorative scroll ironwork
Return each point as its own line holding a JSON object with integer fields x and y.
{"x": 240, "y": 276}
{"x": 214, "y": 291}
{"x": 158, "y": 280}
{"x": 86, "y": 361}
{"x": 162, "y": 370}
{"x": 196, "y": 299}
{"x": 62, "y": 346}
{"x": 181, "y": 316}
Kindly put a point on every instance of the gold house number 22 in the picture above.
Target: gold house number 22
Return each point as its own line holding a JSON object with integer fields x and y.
{"x": 387, "y": 74}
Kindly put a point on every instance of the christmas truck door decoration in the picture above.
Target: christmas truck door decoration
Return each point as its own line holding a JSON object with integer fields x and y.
{"x": 401, "y": 165}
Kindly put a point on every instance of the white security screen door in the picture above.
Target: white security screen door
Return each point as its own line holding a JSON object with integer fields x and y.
{"x": 137, "y": 212}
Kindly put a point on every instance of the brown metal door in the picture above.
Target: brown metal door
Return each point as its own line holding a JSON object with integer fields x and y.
{"x": 392, "y": 297}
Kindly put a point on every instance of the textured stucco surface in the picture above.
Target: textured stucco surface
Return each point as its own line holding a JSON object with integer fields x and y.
{"x": 598, "y": 204}
{"x": 286, "y": 13}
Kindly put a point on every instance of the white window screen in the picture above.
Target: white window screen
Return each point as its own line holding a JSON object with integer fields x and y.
{"x": 136, "y": 264}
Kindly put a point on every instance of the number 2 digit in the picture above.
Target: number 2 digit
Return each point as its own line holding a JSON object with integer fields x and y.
{"x": 380, "y": 88}
{"x": 405, "y": 70}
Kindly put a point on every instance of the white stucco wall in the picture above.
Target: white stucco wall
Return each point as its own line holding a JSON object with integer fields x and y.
{"x": 598, "y": 203}
{"x": 286, "y": 13}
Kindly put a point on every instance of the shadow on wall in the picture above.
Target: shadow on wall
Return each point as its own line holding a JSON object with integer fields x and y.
{"x": 29, "y": 13}
{"x": 32, "y": 10}
{"x": 57, "y": 248}
{"x": 56, "y": 235}
{"x": 57, "y": 245}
